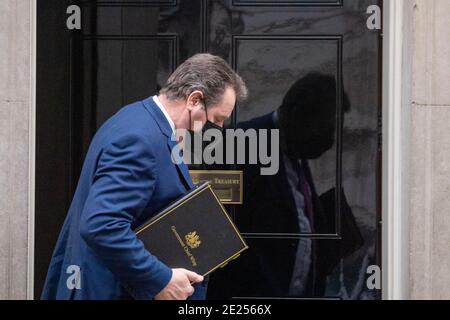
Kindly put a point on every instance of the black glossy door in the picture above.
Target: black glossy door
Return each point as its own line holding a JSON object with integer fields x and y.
{"x": 316, "y": 55}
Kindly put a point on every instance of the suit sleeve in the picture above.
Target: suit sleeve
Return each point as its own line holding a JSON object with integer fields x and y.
{"x": 122, "y": 187}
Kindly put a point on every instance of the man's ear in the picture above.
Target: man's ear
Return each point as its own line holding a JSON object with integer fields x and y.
{"x": 194, "y": 99}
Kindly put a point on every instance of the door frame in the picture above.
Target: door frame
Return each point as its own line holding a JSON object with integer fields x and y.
{"x": 396, "y": 78}
{"x": 32, "y": 154}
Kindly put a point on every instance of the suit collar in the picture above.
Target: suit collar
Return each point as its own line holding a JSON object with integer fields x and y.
{"x": 159, "y": 117}
{"x": 164, "y": 111}
{"x": 166, "y": 129}
{"x": 181, "y": 166}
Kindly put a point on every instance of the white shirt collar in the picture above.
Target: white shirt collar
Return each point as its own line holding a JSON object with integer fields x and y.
{"x": 161, "y": 107}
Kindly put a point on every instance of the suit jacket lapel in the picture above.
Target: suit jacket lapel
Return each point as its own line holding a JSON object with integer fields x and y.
{"x": 165, "y": 128}
{"x": 182, "y": 168}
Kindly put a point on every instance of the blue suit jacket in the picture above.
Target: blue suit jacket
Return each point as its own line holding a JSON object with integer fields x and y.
{"x": 127, "y": 177}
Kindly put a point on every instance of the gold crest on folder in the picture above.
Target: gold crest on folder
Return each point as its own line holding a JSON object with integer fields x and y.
{"x": 193, "y": 240}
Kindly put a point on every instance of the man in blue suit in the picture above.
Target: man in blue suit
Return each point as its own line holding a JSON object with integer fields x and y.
{"x": 127, "y": 177}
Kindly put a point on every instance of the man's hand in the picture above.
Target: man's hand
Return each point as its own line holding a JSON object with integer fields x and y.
{"x": 180, "y": 285}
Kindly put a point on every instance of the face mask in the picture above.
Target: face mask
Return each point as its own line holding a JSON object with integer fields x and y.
{"x": 211, "y": 125}
{"x": 208, "y": 124}
{"x": 192, "y": 136}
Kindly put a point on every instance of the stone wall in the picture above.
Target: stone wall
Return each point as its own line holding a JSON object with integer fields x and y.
{"x": 16, "y": 36}
{"x": 430, "y": 151}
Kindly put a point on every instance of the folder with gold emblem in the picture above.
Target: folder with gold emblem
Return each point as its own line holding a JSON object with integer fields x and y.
{"x": 195, "y": 232}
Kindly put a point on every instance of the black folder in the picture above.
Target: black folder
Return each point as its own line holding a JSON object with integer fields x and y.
{"x": 194, "y": 232}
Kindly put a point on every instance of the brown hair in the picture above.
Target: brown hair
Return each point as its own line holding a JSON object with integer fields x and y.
{"x": 207, "y": 73}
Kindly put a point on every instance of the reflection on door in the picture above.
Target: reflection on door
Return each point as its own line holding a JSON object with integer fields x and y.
{"x": 313, "y": 72}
